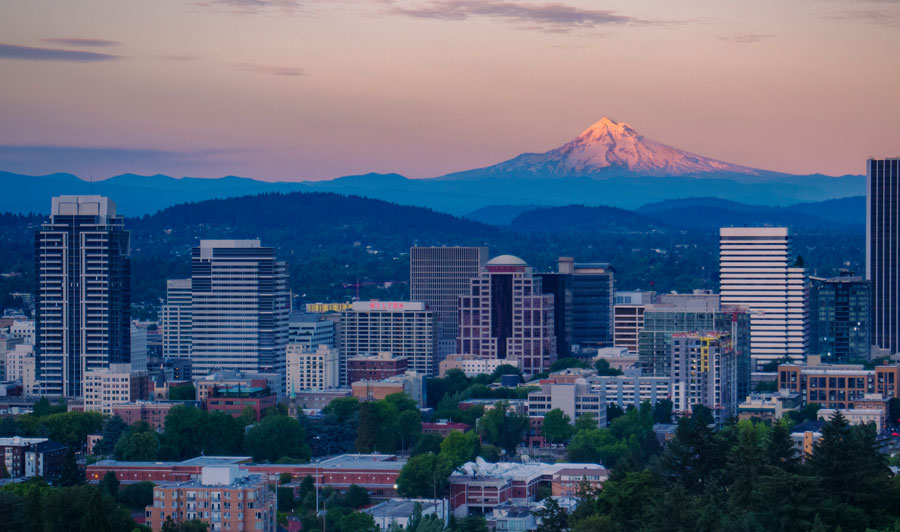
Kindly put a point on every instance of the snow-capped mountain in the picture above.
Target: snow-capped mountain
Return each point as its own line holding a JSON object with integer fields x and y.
{"x": 610, "y": 148}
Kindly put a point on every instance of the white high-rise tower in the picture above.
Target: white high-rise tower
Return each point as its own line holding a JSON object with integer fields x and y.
{"x": 757, "y": 271}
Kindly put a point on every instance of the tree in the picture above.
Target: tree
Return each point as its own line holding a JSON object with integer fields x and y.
{"x": 552, "y": 517}
{"x": 379, "y": 427}
{"x": 184, "y": 392}
{"x": 410, "y": 425}
{"x": 112, "y": 431}
{"x": 402, "y": 402}
{"x": 342, "y": 407}
{"x": 169, "y": 525}
{"x": 138, "y": 443}
{"x": 662, "y": 411}
{"x": 603, "y": 368}
{"x": 110, "y": 483}
{"x": 460, "y": 447}
{"x": 427, "y": 443}
{"x": 183, "y": 434}
{"x": 71, "y": 474}
{"x": 566, "y": 363}
{"x": 356, "y": 496}
{"x": 136, "y": 496}
{"x": 285, "y": 478}
{"x": 96, "y": 518}
{"x": 472, "y": 523}
{"x": 424, "y": 476}
{"x": 358, "y": 522}
{"x": 193, "y": 525}
{"x": 585, "y": 421}
{"x": 275, "y": 437}
{"x": 502, "y": 428}
{"x": 557, "y": 426}
{"x": 284, "y": 499}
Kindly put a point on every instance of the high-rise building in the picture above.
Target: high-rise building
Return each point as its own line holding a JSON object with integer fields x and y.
{"x": 176, "y": 319}
{"x": 239, "y": 308}
{"x": 593, "y": 298}
{"x": 839, "y": 324}
{"x": 883, "y": 250}
{"x": 83, "y": 292}
{"x": 138, "y": 347}
{"x": 704, "y": 372}
{"x": 661, "y": 322}
{"x": 310, "y": 331}
{"x": 505, "y": 315}
{"x": 757, "y": 271}
{"x": 437, "y": 277}
{"x": 403, "y": 328}
{"x": 559, "y": 285}
{"x": 628, "y": 321}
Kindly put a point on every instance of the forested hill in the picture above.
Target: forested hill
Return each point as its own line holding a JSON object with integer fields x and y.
{"x": 313, "y": 216}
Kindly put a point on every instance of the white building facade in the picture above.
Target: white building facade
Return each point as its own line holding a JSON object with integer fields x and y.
{"x": 757, "y": 271}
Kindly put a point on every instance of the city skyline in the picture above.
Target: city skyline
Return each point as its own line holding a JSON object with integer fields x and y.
{"x": 283, "y": 90}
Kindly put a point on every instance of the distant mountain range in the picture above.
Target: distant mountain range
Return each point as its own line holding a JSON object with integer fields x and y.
{"x": 608, "y": 164}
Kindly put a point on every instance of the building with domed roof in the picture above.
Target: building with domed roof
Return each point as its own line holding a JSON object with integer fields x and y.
{"x": 505, "y": 315}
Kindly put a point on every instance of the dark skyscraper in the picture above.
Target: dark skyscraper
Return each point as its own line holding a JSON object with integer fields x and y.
{"x": 593, "y": 298}
{"x": 883, "y": 250}
{"x": 839, "y": 318}
{"x": 437, "y": 277}
{"x": 83, "y": 294}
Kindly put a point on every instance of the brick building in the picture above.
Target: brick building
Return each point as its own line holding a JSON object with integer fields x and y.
{"x": 153, "y": 412}
{"x": 376, "y": 367}
{"x": 234, "y": 400}
{"x": 30, "y": 457}
{"x": 838, "y": 385}
{"x": 226, "y": 497}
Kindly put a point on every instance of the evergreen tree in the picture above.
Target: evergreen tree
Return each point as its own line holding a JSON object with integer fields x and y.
{"x": 71, "y": 474}
{"x": 110, "y": 483}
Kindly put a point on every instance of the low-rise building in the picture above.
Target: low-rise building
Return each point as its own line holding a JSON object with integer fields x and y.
{"x": 443, "y": 427}
{"x": 632, "y": 388}
{"x": 768, "y": 406}
{"x": 21, "y": 366}
{"x": 472, "y": 365}
{"x": 226, "y": 497}
{"x": 838, "y": 386}
{"x": 234, "y": 400}
{"x": 311, "y": 368}
{"x": 479, "y": 487}
{"x": 152, "y": 412}
{"x": 398, "y": 511}
{"x": 117, "y": 384}
{"x": 618, "y": 357}
{"x": 872, "y": 408}
{"x": 238, "y": 379}
{"x": 31, "y": 457}
{"x": 314, "y": 399}
{"x": 378, "y": 367}
{"x": 412, "y": 384}
{"x": 574, "y": 399}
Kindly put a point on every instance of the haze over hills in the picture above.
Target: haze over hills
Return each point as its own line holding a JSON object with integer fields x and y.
{"x": 608, "y": 164}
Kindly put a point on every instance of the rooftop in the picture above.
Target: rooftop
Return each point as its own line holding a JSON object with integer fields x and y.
{"x": 403, "y": 508}
{"x": 200, "y": 461}
{"x": 387, "y": 462}
{"x": 506, "y": 260}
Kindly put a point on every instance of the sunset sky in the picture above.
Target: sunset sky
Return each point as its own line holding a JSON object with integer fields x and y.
{"x": 291, "y": 90}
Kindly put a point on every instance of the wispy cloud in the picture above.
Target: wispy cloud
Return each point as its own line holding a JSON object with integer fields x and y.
{"x": 745, "y": 38}
{"x": 270, "y": 69}
{"x": 74, "y": 41}
{"x": 889, "y": 18}
{"x": 28, "y": 53}
{"x": 250, "y": 6}
{"x": 176, "y": 57}
{"x": 553, "y": 17}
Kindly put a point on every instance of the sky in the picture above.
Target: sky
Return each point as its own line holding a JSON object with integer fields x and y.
{"x": 317, "y": 89}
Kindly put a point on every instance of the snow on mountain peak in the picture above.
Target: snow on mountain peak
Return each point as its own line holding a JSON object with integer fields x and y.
{"x": 610, "y": 145}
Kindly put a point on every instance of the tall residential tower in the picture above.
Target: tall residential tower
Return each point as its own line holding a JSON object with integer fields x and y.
{"x": 240, "y": 305}
{"x": 757, "y": 271}
{"x": 83, "y": 293}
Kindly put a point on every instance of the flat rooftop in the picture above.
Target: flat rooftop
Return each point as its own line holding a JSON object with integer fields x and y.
{"x": 200, "y": 461}
{"x": 386, "y": 462}
{"x": 403, "y": 508}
